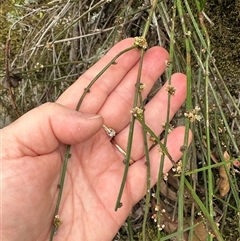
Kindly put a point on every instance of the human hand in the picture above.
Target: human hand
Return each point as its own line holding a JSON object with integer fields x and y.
{"x": 33, "y": 150}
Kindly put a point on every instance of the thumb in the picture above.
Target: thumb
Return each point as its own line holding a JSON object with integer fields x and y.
{"x": 42, "y": 129}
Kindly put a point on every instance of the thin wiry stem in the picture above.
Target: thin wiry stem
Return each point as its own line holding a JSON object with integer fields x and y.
{"x": 67, "y": 152}
{"x": 87, "y": 89}
{"x": 156, "y": 139}
{"x": 130, "y": 135}
{"x": 70, "y": 25}
{"x": 204, "y": 210}
{"x": 187, "y": 35}
{"x": 148, "y": 174}
{"x": 135, "y": 104}
{"x": 167, "y": 122}
{"x": 207, "y": 121}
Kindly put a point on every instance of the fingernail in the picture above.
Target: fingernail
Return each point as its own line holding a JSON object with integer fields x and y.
{"x": 94, "y": 117}
{"x": 89, "y": 116}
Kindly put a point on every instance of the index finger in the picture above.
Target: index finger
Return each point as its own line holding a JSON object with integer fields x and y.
{"x": 106, "y": 83}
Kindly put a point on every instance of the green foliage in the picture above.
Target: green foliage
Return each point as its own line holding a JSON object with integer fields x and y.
{"x": 202, "y": 4}
{"x": 50, "y": 48}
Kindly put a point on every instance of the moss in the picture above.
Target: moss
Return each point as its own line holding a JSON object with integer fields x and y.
{"x": 230, "y": 231}
{"x": 151, "y": 232}
{"x": 9, "y": 13}
{"x": 225, "y": 39}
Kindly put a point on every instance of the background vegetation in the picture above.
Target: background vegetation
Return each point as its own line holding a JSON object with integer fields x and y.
{"x": 46, "y": 45}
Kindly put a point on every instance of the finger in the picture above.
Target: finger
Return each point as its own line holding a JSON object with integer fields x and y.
{"x": 106, "y": 83}
{"x": 138, "y": 173}
{"x": 155, "y": 116}
{"x": 116, "y": 109}
{"x": 49, "y": 125}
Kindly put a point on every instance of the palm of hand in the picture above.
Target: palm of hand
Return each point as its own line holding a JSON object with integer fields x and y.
{"x": 95, "y": 169}
{"x": 90, "y": 184}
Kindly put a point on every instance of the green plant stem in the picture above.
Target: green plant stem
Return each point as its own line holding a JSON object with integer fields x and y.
{"x": 167, "y": 122}
{"x": 67, "y": 153}
{"x": 226, "y": 203}
{"x": 130, "y": 231}
{"x": 130, "y": 134}
{"x": 148, "y": 183}
{"x": 205, "y": 211}
{"x": 149, "y": 20}
{"x": 189, "y": 173}
{"x": 156, "y": 139}
{"x": 187, "y": 123}
{"x": 203, "y": 42}
{"x": 224, "y": 118}
{"x": 207, "y": 121}
{"x": 62, "y": 179}
{"x": 129, "y": 147}
{"x": 231, "y": 178}
{"x": 172, "y": 236}
{"x": 135, "y": 104}
{"x": 87, "y": 89}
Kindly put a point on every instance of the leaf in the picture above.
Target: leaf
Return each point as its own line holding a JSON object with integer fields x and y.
{"x": 200, "y": 232}
{"x": 223, "y": 181}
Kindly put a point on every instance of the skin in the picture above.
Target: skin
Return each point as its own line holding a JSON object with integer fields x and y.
{"x": 33, "y": 150}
